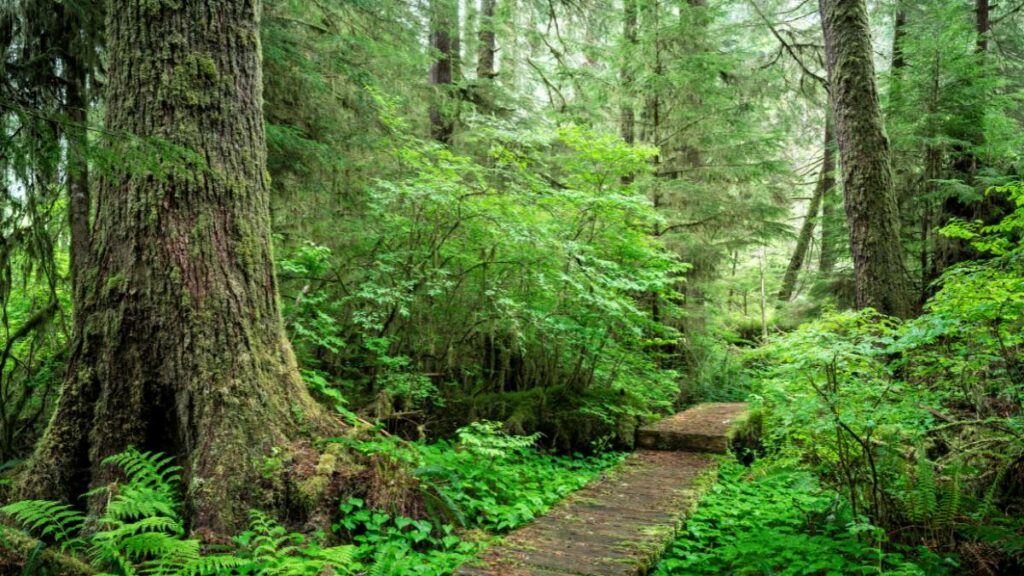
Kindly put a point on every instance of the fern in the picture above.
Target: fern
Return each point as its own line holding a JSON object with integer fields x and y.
{"x": 141, "y": 531}
{"x": 151, "y": 489}
{"x": 949, "y": 506}
{"x": 922, "y": 501}
{"x": 987, "y": 507}
{"x": 276, "y": 552}
{"x": 432, "y": 481}
{"x": 46, "y": 519}
{"x": 212, "y": 565}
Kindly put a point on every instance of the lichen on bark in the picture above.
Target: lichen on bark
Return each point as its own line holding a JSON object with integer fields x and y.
{"x": 870, "y": 199}
{"x": 181, "y": 347}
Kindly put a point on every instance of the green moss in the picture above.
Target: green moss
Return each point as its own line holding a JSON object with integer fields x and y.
{"x": 193, "y": 81}
{"x": 115, "y": 283}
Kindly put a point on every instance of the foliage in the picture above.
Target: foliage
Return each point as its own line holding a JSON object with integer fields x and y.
{"x": 917, "y": 424}
{"x": 141, "y": 531}
{"x": 776, "y": 519}
{"x": 518, "y": 275}
{"x": 490, "y": 479}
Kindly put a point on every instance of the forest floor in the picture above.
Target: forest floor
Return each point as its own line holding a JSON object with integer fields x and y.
{"x": 620, "y": 525}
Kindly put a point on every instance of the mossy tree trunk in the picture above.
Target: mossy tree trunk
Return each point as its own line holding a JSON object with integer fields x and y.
{"x": 444, "y": 71}
{"x": 485, "y": 63}
{"x": 181, "y": 347}
{"x": 826, "y": 181}
{"x": 870, "y": 198}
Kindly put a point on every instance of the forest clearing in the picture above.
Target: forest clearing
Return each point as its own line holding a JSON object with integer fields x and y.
{"x": 511, "y": 287}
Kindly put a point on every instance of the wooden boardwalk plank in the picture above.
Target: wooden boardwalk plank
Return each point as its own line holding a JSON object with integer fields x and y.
{"x": 620, "y": 525}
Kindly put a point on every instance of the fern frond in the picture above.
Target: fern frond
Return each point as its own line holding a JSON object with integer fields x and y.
{"x": 923, "y": 496}
{"x": 48, "y": 519}
{"x": 949, "y": 507}
{"x": 212, "y": 565}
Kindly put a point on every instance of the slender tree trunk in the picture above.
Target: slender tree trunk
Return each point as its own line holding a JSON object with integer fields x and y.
{"x": 830, "y": 223}
{"x": 627, "y": 74}
{"x": 964, "y": 165}
{"x": 181, "y": 347}
{"x": 899, "y": 32}
{"x": 485, "y": 63}
{"x": 870, "y": 199}
{"x": 651, "y": 114}
{"x": 803, "y": 241}
{"x": 76, "y": 105}
{"x": 762, "y": 261}
{"x": 982, "y": 24}
{"x": 444, "y": 41}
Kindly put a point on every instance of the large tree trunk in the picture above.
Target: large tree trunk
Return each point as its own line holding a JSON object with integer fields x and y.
{"x": 444, "y": 41}
{"x": 181, "y": 348}
{"x": 870, "y": 200}
{"x": 803, "y": 242}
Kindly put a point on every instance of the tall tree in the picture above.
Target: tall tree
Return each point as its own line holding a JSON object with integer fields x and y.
{"x": 870, "y": 199}
{"x": 181, "y": 347}
{"x": 627, "y": 73}
{"x": 488, "y": 49}
{"x": 826, "y": 181}
{"x": 982, "y": 23}
{"x": 444, "y": 71}
{"x": 79, "y": 40}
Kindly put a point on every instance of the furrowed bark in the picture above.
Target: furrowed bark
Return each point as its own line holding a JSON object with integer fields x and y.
{"x": 181, "y": 348}
{"x": 870, "y": 200}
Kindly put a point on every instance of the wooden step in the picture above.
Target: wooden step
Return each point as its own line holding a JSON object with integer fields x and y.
{"x": 703, "y": 428}
{"x": 620, "y": 525}
{"x": 616, "y": 526}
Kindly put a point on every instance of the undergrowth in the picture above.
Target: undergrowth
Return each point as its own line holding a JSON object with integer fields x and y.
{"x": 777, "y": 519}
{"x": 482, "y": 484}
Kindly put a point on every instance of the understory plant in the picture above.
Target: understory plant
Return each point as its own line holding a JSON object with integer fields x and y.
{"x": 919, "y": 425}
{"x": 775, "y": 518}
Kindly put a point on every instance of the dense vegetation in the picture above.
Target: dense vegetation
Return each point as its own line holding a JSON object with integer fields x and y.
{"x": 354, "y": 287}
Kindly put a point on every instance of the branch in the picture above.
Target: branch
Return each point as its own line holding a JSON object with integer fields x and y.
{"x": 789, "y": 49}
{"x": 1012, "y": 11}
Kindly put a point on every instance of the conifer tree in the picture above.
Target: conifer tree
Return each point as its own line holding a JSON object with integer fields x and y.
{"x": 870, "y": 200}
{"x": 181, "y": 347}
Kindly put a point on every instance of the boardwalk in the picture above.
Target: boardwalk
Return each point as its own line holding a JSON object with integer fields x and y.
{"x": 619, "y": 525}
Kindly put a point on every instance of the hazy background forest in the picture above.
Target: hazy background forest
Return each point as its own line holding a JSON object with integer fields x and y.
{"x": 505, "y": 234}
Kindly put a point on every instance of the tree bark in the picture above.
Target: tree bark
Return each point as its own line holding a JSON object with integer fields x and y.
{"x": 870, "y": 198}
{"x": 830, "y": 233}
{"x": 898, "y": 33}
{"x": 76, "y": 104}
{"x": 627, "y": 74}
{"x": 825, "y": 182}
{"x": 982, "y": 11}
{"x": 444, "y": 41}
{"x": 181, "y": 347}
{"x": 485, "y": 63}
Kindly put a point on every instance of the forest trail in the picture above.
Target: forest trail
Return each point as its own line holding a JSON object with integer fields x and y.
{"x": 620, "y": 525}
